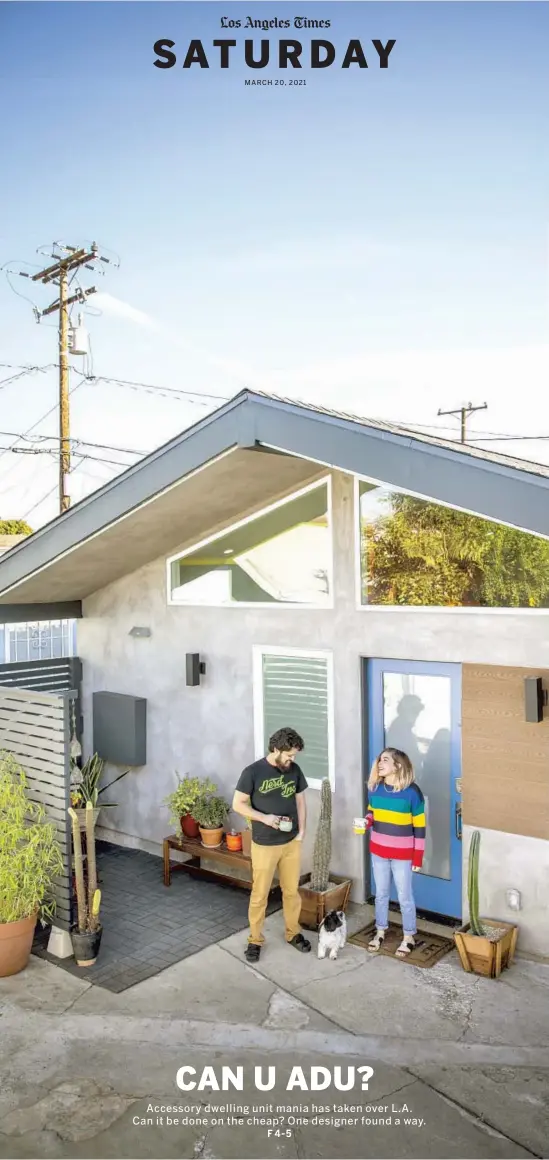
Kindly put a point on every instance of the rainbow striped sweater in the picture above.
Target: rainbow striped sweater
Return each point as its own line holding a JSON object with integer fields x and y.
{"x": 398, "y": 829}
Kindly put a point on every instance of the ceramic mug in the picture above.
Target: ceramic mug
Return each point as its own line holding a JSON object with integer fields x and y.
{"x": 359, "y": 826}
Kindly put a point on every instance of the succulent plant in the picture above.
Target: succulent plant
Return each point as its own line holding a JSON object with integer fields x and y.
{"x": 322, "y": 853}
{"x": 472, "y": 884}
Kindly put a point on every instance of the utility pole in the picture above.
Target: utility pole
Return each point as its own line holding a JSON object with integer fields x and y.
{"x": 67, "y": 262}
{"x": 464, "y": 413}
{"x": 64, "y": 418}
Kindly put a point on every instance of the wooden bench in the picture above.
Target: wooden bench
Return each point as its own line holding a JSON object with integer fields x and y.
{"x": 231, "y": 859}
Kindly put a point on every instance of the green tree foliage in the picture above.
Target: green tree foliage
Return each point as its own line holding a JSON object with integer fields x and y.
{"x": 422, "y": 553}
{"x": 14, "y": 528}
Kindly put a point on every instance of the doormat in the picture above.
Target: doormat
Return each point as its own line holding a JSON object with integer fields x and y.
{"x": 428, "y": 951}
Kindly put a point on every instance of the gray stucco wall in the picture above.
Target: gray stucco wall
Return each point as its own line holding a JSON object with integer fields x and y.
{"x": 209, "y": 730}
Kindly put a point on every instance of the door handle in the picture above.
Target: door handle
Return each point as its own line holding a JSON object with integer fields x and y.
{"x": 457, "y": 817}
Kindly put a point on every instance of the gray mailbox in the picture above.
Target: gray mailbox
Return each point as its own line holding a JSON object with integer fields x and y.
{"x": 120, "y": 728}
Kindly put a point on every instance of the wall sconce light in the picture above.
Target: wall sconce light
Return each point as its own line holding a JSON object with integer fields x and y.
{"x": 535, "y": 698}
{"x": 195, "y": 668}
{"x": 137, "y": 631}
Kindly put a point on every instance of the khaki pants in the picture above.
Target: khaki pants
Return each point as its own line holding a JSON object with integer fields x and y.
{"x": 265, "y": 860}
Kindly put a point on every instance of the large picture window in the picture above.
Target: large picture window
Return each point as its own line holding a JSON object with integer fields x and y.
{"x": 294, "y": 688}
{"x": 281, "y": 556}
{"x": 416, "y": 552}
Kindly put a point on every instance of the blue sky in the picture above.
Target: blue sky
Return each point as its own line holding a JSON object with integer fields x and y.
{"x": 375, "y": 239}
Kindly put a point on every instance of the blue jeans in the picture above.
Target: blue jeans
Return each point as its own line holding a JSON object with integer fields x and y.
{"x": 402, "y": 874}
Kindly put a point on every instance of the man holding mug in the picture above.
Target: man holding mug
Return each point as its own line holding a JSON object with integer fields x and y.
{"x": 271, "y": 794}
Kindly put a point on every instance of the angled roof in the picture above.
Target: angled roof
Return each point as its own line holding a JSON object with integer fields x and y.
{"x": 224, "y": 467}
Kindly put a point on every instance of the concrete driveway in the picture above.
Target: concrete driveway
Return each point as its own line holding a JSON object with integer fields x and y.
{"x": 460, "y": 1064}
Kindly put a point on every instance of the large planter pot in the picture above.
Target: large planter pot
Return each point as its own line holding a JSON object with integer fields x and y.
{"x": 189, "y": 827}
{"x": 86, "y": 946}
{"x": 211, "y": 838}
{"x": 484, "y": 955}
{"x": 16, "y": 945}
{"x": 315, "y": 905}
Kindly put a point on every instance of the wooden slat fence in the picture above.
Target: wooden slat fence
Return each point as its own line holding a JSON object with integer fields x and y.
{"x": 56, "y": 675}
{"x": 35, "y": 728}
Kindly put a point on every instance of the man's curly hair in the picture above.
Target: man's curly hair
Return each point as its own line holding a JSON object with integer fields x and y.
{"x": 284, "y": 740}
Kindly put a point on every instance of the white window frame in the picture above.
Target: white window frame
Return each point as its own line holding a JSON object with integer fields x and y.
{"x": 388, "y": 609}
{"x": 259, "y": 651}
{"x": 325, "y": 481}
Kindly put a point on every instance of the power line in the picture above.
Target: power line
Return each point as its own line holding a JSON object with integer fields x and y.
{"x": 46, "y": 415}
{"x": 39, "y": 503}
{"x": 22, "y": 373}
{"x": 77, "y": 441}
{"x": 196, "y": 395}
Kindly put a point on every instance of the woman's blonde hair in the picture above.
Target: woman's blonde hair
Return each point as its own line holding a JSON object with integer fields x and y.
{"x": 403, "y": 768}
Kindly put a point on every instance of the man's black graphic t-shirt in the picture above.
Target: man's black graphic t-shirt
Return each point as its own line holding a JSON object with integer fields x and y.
{"x": 272, "y": 791}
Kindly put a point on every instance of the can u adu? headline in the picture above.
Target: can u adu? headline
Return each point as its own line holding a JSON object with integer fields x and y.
{"x": 314, "y": 1079}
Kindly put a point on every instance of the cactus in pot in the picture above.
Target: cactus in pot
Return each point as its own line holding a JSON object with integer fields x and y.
{"x": 324, "y": 891}
{"x": 322, "y": 852}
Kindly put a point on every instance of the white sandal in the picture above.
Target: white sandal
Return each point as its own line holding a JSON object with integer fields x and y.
{"x": 406, "y": 947}
{"x": 376, "y": 942}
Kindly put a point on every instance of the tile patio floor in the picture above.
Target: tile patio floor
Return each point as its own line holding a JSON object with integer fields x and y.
{"x": 148, "y": 926}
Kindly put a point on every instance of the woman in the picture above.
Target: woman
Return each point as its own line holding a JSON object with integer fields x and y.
{"x": 396, "y": 815}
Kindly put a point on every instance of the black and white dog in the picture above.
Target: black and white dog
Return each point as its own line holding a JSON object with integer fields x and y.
{"x": 332, "y": 934}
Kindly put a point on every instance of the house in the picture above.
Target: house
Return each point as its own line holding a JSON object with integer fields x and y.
{"x": 367, "y": 584}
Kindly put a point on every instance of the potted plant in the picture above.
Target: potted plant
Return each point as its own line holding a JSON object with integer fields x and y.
{"x": 86, "y": 934}
{"x": 30, "y": 859}
{"x": 485, "y": 946}
{"x": 211, "y": 813}
{"x": 85, "y": 788}
{"x": 324, "y": 891}
{"x": 183, "y": 800}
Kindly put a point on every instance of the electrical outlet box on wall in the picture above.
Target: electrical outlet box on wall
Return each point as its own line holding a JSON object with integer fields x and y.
{"x": 120, "y": 728}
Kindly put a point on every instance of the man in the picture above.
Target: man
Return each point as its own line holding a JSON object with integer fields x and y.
{"x": 268, "y": 791}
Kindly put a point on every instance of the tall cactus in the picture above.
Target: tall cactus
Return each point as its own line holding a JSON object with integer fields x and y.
{"x": 322, "y": 852}
{"x": 79, "y": 871}
{"x": 90, "y": 850}
{"x": 472, "y": 885}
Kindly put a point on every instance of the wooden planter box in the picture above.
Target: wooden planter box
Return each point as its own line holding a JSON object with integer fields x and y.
{"x": 315, "y": 906}
{"x": 483, "y": 957}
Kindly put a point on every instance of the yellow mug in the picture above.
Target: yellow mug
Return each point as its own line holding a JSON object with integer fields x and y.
{"x": 359, "y": 826}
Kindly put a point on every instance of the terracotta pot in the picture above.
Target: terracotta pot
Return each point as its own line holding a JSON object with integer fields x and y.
{"x": 15, "y": 945}
{"x": 211, "y": 837}
{"x": 234, "y": 842}
{"x": 189, "y": 827}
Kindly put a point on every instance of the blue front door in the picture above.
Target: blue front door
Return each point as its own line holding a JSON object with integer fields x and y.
{"x": 416, "y": 707}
